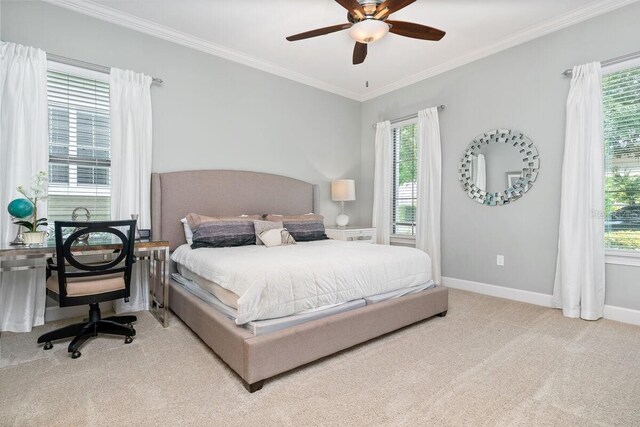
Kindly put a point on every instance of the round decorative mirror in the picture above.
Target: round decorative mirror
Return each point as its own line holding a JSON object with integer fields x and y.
{"x": 498, "y": 167}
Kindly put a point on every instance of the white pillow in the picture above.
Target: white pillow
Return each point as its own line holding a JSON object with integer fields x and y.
{"x": 188, "y": 234}
{"x": 262, "y": 226}
{"x": 276, "y": 237}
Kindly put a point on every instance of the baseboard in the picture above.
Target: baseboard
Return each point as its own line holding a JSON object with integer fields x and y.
{"x": 499, "y": 291}
{"x": 619, "y": 314}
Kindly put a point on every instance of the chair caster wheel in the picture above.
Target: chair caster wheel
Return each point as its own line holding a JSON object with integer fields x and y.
{"x": 76, "y": 354}
{"x": 128, "y": 340}
{"x": 48, "y": 345}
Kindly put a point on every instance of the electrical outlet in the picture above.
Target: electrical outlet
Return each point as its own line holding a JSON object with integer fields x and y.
{"x": 500, "y": 260}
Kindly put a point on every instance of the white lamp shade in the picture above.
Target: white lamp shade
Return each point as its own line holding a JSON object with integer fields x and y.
{"x": 343, "y": 190}
{"x": 369, "y": 30}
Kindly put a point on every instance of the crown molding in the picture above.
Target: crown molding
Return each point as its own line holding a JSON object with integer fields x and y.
{"x": 123, "y": 19}
{"x": 113, "y": 16}
{"x": 592, "y": 10}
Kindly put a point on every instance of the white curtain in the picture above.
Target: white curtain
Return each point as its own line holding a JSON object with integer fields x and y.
{"x": 24, "y": 151}
{"x": 580, "y": 282}
{"x": 382, "y": 183}
{"x": 429, "y": 188}
{"x": 131, "y": 135}
{"x": 481, "y": 172}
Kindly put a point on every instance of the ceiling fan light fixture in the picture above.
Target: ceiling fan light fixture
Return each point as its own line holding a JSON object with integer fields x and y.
{"x": 369, "y": 30}
{"x": 370, "y": 8}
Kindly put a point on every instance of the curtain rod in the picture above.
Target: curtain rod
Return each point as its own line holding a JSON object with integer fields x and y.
{"x": 87, "y": 65}
{"x": 612, "y": 61}
{"x": 411, "y": 116}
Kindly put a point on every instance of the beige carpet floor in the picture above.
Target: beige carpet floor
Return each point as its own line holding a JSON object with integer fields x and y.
{"x": 490, "y": 362}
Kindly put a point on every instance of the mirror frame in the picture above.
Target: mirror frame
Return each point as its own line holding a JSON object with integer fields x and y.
{"x": 530, "y": 166}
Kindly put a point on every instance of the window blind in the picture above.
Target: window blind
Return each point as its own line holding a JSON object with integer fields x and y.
{"x": 79, "y": 146}
{"x": 404, "y": 194}
{"x": 621, "y": 100}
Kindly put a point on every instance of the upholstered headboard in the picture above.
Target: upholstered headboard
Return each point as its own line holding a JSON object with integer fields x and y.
{"x": 223, "y": 192}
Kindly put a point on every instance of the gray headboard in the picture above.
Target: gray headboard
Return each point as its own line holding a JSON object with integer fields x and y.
{"x": 223, "y": 192}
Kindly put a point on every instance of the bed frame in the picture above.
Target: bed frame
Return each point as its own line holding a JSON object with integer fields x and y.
{"x": 256, "y": 358}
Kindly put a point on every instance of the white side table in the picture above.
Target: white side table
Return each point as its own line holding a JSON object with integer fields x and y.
{"x": 352, "y": 234}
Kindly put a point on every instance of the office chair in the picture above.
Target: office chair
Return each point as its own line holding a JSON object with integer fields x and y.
{"x": 74, "y": 283}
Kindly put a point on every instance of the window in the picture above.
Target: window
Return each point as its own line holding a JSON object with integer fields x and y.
{"x": 621, "y": 96}
{"x": 79, "y": 142}
{"x": 404, "y": 189}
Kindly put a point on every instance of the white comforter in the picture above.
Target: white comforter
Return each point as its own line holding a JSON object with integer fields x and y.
{"x": 284, "y": 280}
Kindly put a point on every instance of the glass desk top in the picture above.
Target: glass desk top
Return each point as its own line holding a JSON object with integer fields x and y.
{"x": 93, "y": 244}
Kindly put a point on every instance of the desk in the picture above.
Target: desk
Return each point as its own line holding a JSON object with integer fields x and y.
{"x": 17, "y": 258}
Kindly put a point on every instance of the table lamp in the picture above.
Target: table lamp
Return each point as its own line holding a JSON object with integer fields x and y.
{"x": 343, "y": 190}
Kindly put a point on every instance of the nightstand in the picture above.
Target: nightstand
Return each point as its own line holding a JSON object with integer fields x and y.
{"x": 352, "y": 234}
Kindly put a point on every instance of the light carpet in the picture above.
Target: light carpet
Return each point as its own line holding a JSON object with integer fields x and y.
{"x": 490, "y": 362}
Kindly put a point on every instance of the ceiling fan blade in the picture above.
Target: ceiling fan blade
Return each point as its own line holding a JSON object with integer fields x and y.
{"x": 386, "y": 8}
{"x": 416, "y": 31}
{"x": 359, "y": 53}
{"x": 353, "y": 6}
{"x": 319, "y": 32}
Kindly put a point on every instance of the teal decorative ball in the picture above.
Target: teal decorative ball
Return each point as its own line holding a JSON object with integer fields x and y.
{"x": 20, "y": 208}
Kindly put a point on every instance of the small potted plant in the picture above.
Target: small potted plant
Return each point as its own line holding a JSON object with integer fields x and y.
{"x": 39, "y": 187}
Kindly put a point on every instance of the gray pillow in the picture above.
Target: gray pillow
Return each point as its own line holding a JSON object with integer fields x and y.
{"x": 303, "y": 228}
{"x": 194, "y": 220}
{"x": 262, "y": 226}
{"x": 224, "y": 233}
{"x": 305, "y": 231}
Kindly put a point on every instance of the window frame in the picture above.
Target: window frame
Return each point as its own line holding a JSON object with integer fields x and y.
{"x": 89, "y": 74}
{"x": 399, "y": 239}
{"x": 614, "y": 256}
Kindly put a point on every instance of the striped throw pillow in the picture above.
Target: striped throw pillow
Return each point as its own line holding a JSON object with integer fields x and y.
{"x": 195, "y": 220}
{"x": 224, "y": 233}
{"x": 303, "y": 228}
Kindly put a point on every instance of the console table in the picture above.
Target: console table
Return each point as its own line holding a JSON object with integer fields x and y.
{"x": 156, "y": 253}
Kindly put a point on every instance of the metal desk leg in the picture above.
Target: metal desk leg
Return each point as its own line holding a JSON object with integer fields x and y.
{"x": 165, "y": 287}
{"x": 159, "y": 281}
{"x": 150, "y": 281}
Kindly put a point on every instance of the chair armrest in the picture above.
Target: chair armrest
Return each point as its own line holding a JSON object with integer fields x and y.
{"x": 51, "y": 265}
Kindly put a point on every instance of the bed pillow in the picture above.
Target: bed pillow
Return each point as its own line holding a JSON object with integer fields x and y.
{"x": 302, "y": 217}
{"x": 188, "y": 234}
{"x": 276, "y": 237}
{"x": 224, "y": 233}
{"x": 262, "y": 226}
{"x": 195, "y": 220}
{"x": 303, "y": 228}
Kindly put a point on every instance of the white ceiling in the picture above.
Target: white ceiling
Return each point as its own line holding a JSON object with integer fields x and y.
{"x": 253, "y": 32}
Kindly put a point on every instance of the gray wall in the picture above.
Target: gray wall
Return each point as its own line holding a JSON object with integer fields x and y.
{"x": 210, "y": 113}
{"x": 521, "y": 88}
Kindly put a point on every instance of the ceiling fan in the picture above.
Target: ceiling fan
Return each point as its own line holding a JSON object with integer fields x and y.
{"x": 368, "y": 22}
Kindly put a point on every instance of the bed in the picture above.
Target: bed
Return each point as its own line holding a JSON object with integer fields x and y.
{"x": 259, "y": 349}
